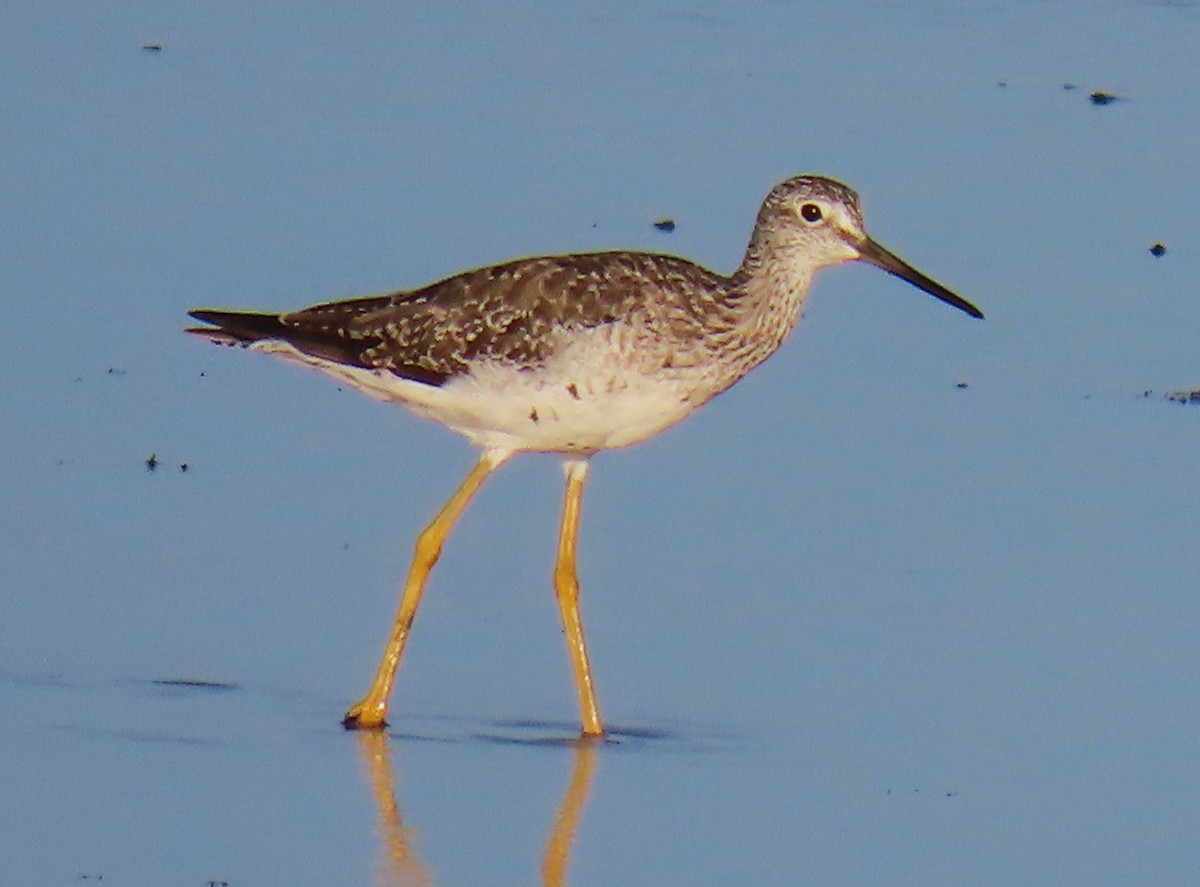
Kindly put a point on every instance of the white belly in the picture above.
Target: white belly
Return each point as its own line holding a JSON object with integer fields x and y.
{"x": 584, "y": 400}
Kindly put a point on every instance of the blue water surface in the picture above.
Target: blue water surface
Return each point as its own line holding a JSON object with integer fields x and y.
{"x": 915, "y": 603}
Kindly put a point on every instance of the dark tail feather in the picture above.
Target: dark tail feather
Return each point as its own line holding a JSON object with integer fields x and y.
{"x": 237, "y": 327}
{"x": 247, "y": 327}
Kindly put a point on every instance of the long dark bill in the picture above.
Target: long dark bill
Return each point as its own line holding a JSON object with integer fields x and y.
{"x": 874, "y": 254}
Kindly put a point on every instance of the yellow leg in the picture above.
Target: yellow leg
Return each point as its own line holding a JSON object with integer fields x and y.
{"x": 371, "y": 711}
{"x": 566, "y": 586}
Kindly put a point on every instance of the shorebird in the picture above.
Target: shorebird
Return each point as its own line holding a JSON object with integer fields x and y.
{"x": 570, "y": 354}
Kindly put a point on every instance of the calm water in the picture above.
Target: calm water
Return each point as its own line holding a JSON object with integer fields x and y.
{"x": 915, "y": 603}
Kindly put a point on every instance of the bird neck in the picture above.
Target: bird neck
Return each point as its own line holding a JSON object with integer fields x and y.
{"x": 771, "y": 287}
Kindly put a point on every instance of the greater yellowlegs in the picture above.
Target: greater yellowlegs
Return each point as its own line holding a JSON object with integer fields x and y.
{"x": 572, "y": 355}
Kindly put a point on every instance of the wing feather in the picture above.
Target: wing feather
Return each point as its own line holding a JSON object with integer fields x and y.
{"x": 515, "y": 312}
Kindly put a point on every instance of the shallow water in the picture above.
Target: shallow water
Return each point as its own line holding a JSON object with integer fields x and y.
{"x": 913, "y": 603}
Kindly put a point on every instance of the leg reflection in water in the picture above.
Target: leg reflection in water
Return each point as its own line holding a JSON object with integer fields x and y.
{"x": 400, "y": 865}
{"x": 558, "y": 846}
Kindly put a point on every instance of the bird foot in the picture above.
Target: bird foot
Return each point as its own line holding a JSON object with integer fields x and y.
{"x": 365, "y": 717}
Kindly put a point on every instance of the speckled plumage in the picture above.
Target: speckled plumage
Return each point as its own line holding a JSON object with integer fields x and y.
{"x": 514, "y": 313}
{"x": 568, "y": 354}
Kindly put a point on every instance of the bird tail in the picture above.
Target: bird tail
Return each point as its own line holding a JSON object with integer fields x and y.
{"x": 236, "y": 327}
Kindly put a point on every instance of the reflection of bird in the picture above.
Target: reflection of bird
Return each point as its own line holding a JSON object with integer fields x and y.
{"x": 400, "y": 861}
{"x": 571, "y": 355}
{"x": 557, "y": 857}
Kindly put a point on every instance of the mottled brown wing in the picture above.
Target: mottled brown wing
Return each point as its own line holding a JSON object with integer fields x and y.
{"x": 324, "y": 341}
{"x": 504, "y": 313}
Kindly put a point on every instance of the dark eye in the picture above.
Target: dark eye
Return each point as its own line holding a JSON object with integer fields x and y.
{"x": 811, "y": 213}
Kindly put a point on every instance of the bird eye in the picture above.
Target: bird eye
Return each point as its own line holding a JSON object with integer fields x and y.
{"x": 811, "y": 213}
